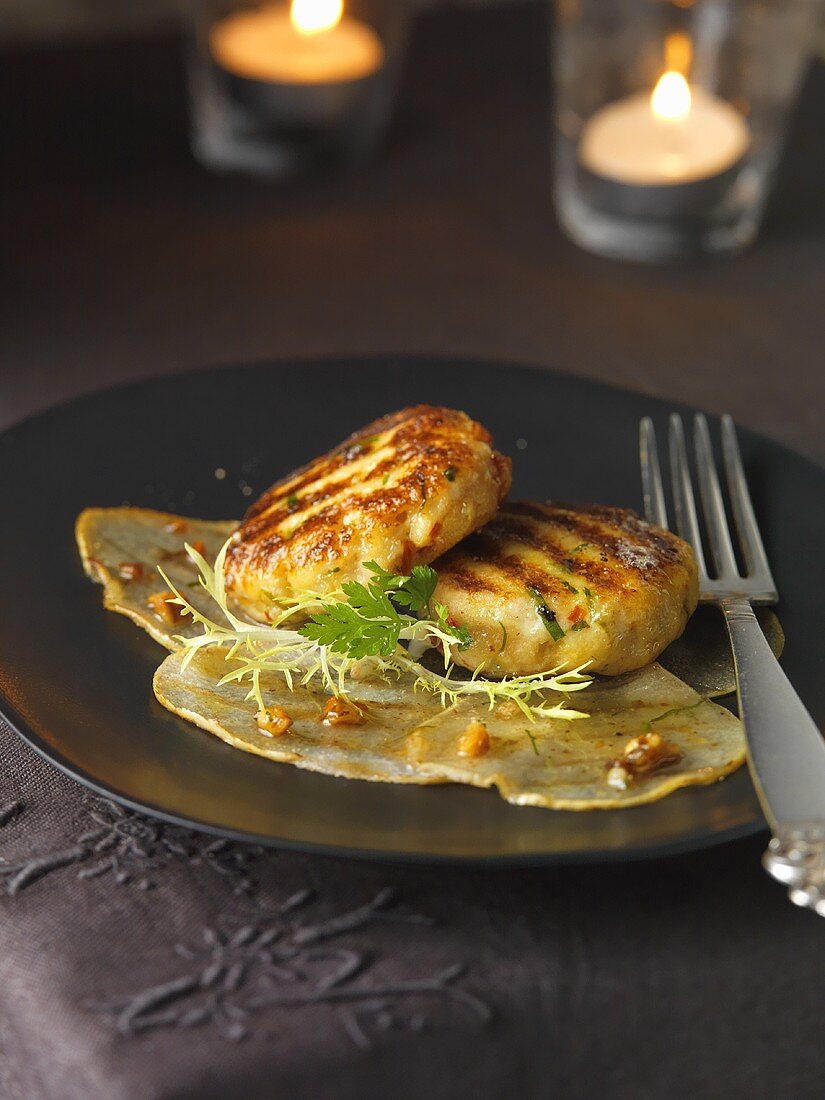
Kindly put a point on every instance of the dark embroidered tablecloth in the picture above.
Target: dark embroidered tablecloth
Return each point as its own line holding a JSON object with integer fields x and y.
{"x": 140, "y": 961}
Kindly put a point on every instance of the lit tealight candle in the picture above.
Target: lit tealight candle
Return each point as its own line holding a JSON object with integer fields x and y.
{"x": 667, "y": 150}
{"x": 308, "y": 42}
{"x": 678, "y": 134}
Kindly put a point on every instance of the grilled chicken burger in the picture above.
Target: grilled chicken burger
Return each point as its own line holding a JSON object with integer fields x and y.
{"x": 557, "y": 585}
{"x": 400, "y": 492}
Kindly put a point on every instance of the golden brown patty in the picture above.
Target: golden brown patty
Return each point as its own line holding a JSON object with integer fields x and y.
{"x": 547, "y": 585}
{"x": 400, "y": 492}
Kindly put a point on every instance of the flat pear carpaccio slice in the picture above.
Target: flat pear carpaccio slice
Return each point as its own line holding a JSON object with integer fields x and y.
{"x": 406, "y": 737}
{"x": 121, "y": 548}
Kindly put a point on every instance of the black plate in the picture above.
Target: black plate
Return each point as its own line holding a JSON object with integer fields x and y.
{"x": 76, "y": 681}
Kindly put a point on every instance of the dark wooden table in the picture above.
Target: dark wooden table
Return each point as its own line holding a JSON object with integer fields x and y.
{"x": 121, "y": 259}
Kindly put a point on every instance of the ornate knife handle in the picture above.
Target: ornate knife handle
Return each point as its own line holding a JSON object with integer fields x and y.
{"x": 796, "y": 857}
{"x": 786, "y": 755}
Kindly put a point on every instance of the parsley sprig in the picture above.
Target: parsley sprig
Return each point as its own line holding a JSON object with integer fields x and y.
{"x": 369, "y": 623}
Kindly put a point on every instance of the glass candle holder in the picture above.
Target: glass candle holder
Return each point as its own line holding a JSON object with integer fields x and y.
{"x": 286, "y": 85}
{"x": 670, "y": 116}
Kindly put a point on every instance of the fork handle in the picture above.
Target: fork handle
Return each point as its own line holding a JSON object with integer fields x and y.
{"x": 786, "y": 755}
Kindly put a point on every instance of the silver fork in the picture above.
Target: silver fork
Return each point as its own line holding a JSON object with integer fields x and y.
{"x": 786, "y": 752}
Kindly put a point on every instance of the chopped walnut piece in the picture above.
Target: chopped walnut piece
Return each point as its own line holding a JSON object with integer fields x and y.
{"x": 273, "y": 720}
{"x": 169, "y": 612}
{"x": 175, "y": 526}
{"x": 475, "y": 740}
{"x": 649, "y": 751}
{"x": 130, "y": 570}
{"x": 508, "y": 709}
{"x": 341, "y": 712}
{"x": 641, "y": 754}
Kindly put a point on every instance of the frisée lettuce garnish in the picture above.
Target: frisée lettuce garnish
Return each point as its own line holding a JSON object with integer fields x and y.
{"x": 378, "y": 629}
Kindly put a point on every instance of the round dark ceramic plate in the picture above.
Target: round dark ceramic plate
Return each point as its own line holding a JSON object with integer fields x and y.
{"x": 75, "y": 680}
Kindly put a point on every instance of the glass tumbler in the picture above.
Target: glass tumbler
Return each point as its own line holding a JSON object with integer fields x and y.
{"x": 288, "y": 85}
{"x": 669, "y": 119}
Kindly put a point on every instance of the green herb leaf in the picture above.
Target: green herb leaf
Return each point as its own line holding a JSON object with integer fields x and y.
{"x": 385, "y": 581}
{"x": 570, "y": 588}
{"x": 460, "y": 633}
{"x": 552, "y": 626}
{"x": 503, "y": 635}
{"x": 417, "y": 590}
{"x": 370, "y": 600}
{"x": 366, "y": 626}
{"x": 450, "y": 473}
{"x": 292, "y": 502}
{"x": 414, "y": 591}
{"x": 369, "y": 623}
{"x": 648, "y": 726}
{"x": 582, "y": 624}
{"x": 548, "y": 617}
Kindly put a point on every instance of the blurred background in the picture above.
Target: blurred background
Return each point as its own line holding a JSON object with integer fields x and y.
{"x": 123, "y": 257}
{"x": 43, "y": 19}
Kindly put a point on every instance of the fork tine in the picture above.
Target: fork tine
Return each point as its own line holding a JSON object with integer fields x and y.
{"x": 652, "y": 489}
{"x": 716, "y": 521}
{"x": 686, "y": 522}
{"x": 753, "y": 549}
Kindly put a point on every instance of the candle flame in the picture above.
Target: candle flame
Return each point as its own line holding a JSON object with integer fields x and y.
{"x": 314, "y": 16}
{"x": 671, "y": 97}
